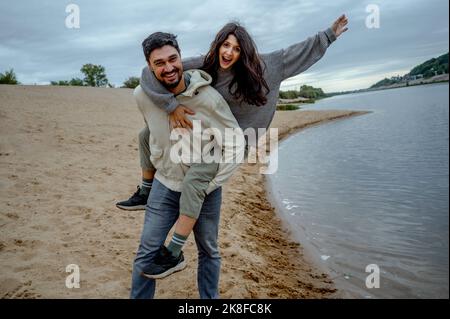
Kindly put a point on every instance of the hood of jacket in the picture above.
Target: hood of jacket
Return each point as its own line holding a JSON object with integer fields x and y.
{"x": 198, "y": 78}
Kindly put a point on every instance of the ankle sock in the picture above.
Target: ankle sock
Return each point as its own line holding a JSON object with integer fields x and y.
{"x": 176, "y": 244}
{"x": 146, "y": 186}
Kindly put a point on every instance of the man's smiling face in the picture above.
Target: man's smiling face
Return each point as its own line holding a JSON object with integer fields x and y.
{"x": 165, "y": 62}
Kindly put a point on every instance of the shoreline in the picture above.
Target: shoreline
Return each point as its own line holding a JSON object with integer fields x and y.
{"x": 310, "y": 254}
{"x": 68, "y": 154}
{"x": 298, "y": 273}
{"x": 389, "y": 87}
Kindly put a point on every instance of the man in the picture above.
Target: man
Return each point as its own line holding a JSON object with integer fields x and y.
{"x": 192, "y": 89}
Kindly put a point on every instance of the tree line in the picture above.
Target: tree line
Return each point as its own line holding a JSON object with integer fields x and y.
{"x": 305, "y": 91}
{"x": 427, "y": 69}
{"x": 94, "y": 75}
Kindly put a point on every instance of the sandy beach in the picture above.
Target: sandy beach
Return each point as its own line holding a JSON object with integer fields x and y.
{"x": 67, "y": 154}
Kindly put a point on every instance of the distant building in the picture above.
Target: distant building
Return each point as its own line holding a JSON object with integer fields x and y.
{"x": 409, "y": 77}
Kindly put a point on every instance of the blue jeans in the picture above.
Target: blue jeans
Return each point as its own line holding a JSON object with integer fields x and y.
{"x": 161, "y": 213}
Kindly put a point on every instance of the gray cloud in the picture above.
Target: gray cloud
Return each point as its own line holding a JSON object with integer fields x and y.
{"x": 35, "y": 42}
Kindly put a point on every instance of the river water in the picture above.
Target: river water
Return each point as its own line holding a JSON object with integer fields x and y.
{"x": 372, "y": 191}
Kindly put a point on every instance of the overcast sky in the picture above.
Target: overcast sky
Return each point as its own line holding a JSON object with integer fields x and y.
{"x": 35, "y": 41}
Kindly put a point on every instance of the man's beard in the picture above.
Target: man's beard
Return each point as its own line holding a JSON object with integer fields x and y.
{"x": 173, "y": 84}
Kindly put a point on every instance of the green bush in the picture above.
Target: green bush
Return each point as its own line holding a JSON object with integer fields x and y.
{"x": 76, "y": 82}
{"x": 61, "y": 83}
{"x": 289, "y": 94}
{"x": 306, "y": 91}
{"x": 94, "y": 75}
{"x": 131, "y": 82}
{"x": 287, "y": 107}
{"x": 9, "y": 77}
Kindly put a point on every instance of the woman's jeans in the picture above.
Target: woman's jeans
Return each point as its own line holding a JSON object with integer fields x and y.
{"x": 161, "y": 213}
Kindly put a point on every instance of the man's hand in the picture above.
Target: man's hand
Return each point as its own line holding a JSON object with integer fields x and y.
{"x": 178, "y": 118}
{"x": 339, "y": 26}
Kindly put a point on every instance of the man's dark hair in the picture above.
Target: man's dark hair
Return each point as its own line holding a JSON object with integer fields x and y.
{"x": 158, "y": 40}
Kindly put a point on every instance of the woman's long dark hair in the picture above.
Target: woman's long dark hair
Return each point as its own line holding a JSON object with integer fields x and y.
{"x": 251, "y": 87}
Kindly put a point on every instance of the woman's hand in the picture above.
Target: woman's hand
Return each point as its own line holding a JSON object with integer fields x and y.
{"x": 178, "y": 118}
{"x": 339, "y": 26}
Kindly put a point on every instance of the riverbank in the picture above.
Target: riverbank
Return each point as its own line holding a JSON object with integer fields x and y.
{"x": 271, "y": 263}
{"x": 67, "y": 154}
{"x": 437, "y": 79}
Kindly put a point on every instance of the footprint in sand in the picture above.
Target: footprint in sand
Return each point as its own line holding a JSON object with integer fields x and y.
{"x": 225, "y": 245}
{"x": 108, "y": 171}
{"x": 17, "y": 290}
{"x": 12, "y": 216}
{"x": 120, "y": 236}
{"x": 226, "y": 287}
{"x": 29, "y": 244}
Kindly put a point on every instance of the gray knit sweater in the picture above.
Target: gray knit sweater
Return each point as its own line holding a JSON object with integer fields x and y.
{"x": 280, "y": 65}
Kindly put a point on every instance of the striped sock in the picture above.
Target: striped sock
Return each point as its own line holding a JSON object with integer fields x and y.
{"x": 146, "y": 186}
{"x": 176, "y": 244}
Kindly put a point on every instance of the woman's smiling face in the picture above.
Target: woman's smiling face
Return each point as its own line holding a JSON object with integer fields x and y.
{"x": 229, "y": 52}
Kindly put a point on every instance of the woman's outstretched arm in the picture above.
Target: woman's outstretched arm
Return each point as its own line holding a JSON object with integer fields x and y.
{"x": 300, "y": 56}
